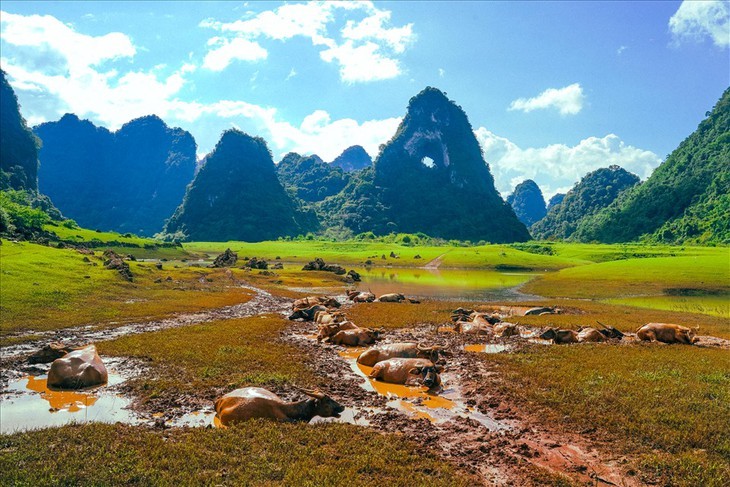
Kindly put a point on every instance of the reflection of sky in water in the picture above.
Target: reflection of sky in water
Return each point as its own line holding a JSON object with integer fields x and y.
{"x": 444, "y": 284}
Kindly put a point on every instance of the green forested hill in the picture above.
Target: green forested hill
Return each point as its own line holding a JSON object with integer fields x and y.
{"x": 591, "y": 194}
{"x": 19, "y": 147}
{"x": 687, "y": 198}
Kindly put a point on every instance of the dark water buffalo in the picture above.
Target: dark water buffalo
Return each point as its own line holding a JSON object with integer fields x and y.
{"x": 372, "y": 356}
{"x": 408, "y": 371}
{"x": 392, "y": 298}
{"x": 357, "y": 337}
{"x": 504, "y": 330}
{"x": 541, "y": 311}
{"x": 667, "y": 333}
{"x": 485, "y": 319}
{"x": 255, "y": 402}
{"x": 560, "y": 337}
{"x": 50, "y": 352}
{"x": 307, "y": 314}
{"x": 78, "y": 369}
{"x": 314, "y": 300}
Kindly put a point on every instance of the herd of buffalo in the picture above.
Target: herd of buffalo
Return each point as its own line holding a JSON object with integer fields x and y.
{"x": 411, "y": 364}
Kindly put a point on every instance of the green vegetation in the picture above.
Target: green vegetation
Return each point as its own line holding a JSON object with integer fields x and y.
{"x": 45, "y": 288}
{"x": 670, "y": 402}
{"x": 18, "y": 146}
{"x": 236, "y": 195}
{"x": 592, "y": 193}
{"x": 253, "y": 453}
{"x": 713, "y": 305}
{"x": 686, "y": 199}
{"x": 527, "y": 202}
{"x": 310, "y": 178}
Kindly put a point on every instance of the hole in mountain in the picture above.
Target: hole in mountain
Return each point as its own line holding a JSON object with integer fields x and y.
{"x": 428, "y": 162}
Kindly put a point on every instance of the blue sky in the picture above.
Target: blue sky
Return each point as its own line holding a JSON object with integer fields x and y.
{"x": 552, "y": 89}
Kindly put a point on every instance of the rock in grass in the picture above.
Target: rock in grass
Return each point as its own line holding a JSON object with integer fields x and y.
{"x": 226, "y": 259}
{"x": 49, "y": 353}
{"x": 114, "y": 261}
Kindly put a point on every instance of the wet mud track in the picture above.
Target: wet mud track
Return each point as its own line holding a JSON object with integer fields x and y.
{"x": 488, "y": 437}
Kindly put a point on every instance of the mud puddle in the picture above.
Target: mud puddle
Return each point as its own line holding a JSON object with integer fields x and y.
{"x": 28, "y": 403}
{"x": 487, "y": 347}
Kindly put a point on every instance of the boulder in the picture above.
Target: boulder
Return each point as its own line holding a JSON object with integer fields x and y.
{"x": 49, "y": 353}
{"x": 354, "y": 275}
{"x": 114, "y": 261}
{"x": 78, "y": 369}
{"x": 256, "y": 263}
{"x": 226, "y": 259}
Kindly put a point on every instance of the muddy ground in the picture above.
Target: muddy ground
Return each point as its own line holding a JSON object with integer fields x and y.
{"x": 484, "y": 434}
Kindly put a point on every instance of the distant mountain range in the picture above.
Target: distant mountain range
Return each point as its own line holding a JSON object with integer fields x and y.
{"x": 430, "y": 177}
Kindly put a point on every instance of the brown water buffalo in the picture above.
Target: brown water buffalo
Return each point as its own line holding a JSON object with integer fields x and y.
{"x": 504, "y": 330}
{"x": 357, "y": 337}
{"x": 667, "y": 333}
{"x": 408, "y": 371}
{"x": 486, "y": 319}
{"x": 588, "y": 334}
{"x": 372, "y": 356}
{"x": 469, "y": 328}
{"x": 560, "y": 337}
{"x": 314, "y": 300}
{"x": 255, "y": 402}
{"x": 392, "y": 298}
{"x": 327, "y": 318}
{"x": 78, "y": 369}
{"x": 307, "y": 314}
{"x": 328, "y": 331}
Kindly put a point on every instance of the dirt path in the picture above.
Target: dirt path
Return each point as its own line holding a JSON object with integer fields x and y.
{"x": 262, "y": 302}
{"x": 435, "y": 263}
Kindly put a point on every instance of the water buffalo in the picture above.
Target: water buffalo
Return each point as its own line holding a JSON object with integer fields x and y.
{"x": 360, "y": 296}
{"x": 314, "y": 300}
{"x": 485, "y": 319}
{"x": 559, "y": 336}
{"x": 504, "y": 330}
{"x": 408, "y": 371}
{"x": 255, "y": 402}
{"x": 78, "y": 369}
{"x": 372, "y": 356}
{"x": 327, "y": 318}
{"x": 587, "y": 334}
{"x": 49, "y": 353}
{"x": 328, "y": 331}
{"x": 541, "y": 311}
{"x": 357, "y": 337}
{"x": 667, "y": 333}
{"x": 306, "y": 314}
{"x": 392, "y": 298}
{"x": 469, "y": 328}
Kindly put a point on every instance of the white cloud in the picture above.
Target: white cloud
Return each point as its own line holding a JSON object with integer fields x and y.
{"x": 568, "y": 100}
{"x": 226, "y": 51}
{"x": 697, "y": 20}
{"x": 621, "y": 49}
{"x": 367, "y": 50}
{"x": 557, "y": 167}
{"x": 442, "y": 72}
{"x": 292, "y": 73}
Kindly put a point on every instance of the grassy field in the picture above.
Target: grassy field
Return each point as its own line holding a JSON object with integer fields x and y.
{"x": 671, "y": 404}
{"x": 44, "y": 288}
{"x": 254, "y": 453}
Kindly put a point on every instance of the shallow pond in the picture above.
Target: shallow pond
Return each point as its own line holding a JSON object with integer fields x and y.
{"x": 448, "y": 284}
{"x": 28, "y": 403}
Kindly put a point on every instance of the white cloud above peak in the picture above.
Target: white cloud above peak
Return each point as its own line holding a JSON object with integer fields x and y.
{"x": 698, "y": 20}
{"x": 367, "y": 50}
{"x": 568, "y": 100}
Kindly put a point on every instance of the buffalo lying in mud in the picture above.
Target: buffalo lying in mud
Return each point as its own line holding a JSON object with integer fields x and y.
{"x": 392, "y": 298}
{"x": 408, "y": 371}
{"x": 505, "y": 330}
{"x": 399, "y": 350}
{"x": 542, "y": 311}
{"x": 255, "y": 402}
{"x": 307, "y": 314}
{"x": 327, "y": 318}
{"x": 485, "y": 319}
{"x": 315, "y": 300}
{"x": 667, "y": 333}
{"x": 78, "y": 369}
{"x": 560, "y": 337}
{"x": 588, "y": 334}
{"x": 356, "y": 337}
{"x": 469, "y": 328}
{"x": 360, "y": 296}
{"x": 328, "y": 331}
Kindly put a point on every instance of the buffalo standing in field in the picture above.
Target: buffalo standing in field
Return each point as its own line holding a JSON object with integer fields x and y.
{"x": 372, "y": 356}
{"x": 408, "y": 371}
{"x": 255, "y": 402}
{"x": 78, "y": 369}
{"x": 667, "y": 333}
